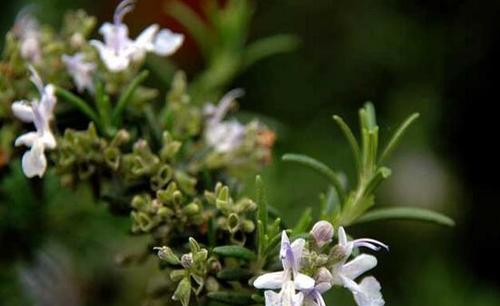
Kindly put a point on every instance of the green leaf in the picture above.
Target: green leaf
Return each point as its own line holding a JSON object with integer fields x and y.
{"x": 396, "y": 137}
{"x": 269, "y": 46}
{"x": 329, "y": 203}
{"x": 406, "y": 213}
{"x": 193, "y": 23}
{"x": 79, "y": 103}
{"x": 125, "y": 97}
{"x": 232, "y": 297}
{"x": 350, "y": 138}
{"x": 318, "y": 167}
{"x": 304, "y": 222}
{"x": 234, "y": 274}
{"x": 234, "y": 251}
{"x": 381, "y": 174}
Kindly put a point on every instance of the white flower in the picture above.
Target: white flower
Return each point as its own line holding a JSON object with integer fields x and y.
{"x": 223, "y": 136}
{"x": 40, "y": 112}
{"x": 80, "y": 70}
{"x": 366, "y": 293}
{"x": 286, "y": 297}
{"x": 27, "y": 29}
{"x": 291, "y": 255}
{"x": 118, "y": 50}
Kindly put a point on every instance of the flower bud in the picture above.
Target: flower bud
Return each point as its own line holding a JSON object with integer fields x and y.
{"x": 187, "y": 260}
{"x": 323, "y": 276}
{"x": 166, "y": 253}
{"x": 322, "y": 233}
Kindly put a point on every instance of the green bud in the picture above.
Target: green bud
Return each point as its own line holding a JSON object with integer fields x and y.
{"x": 170, "y": 147}
{"x": 183, "y": 292}
{"x": 177, "y": 275}
{"x": 165, "y": 212}
{"x": 210, "y": 197}
{"x": 233, "y": 222}
{"x": 142, "y": 221}
{"x": 112, "y": 157}
{"x": 162, "y": 177}
{"x": 121, "y": 137}
{"x": 191, "y": 209}
{"x": 177, "y": 197}
{"x": 246, "y": 205}
{"x": 200, "y": 257}
{"x": 248, "y": 226}
{"x": 167, "y": 195}
{"x": 166, "y": 254}
{"x": 186, "y": 182}
{"x": 193, "y": 245}
{"x": 141, "y": 202}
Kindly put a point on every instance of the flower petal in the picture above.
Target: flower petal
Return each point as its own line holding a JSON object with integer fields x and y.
{"x": 145, "y": 40}
{"x": 369, "y": 293}
{"x": 113, "y": 61}
{"x": 342, "y": 236}
{"x": 303, "y": 282}
{"x": 272, "y": 298}
{"x": 273, "y": 280}
{"x": 298, "y": 299}
{"x": 297, "y": 249}
{"x": 34, "y": 162}
{"x": 23, "y": 111}
{"x": 323, "y": 287}
{"x": 27, "y": 139}
{"x": 167, "y": 42}
{"x": 358, "y": 266}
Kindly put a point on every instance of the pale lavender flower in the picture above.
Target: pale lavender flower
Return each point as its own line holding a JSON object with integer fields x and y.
{"x": 27, "y": 29}
{"x": 366, "y": 293}
{"x": 118, "y": 50}
{"x": 39, "y": 112}
{"x": 291, "y": 255}
{"x": 286, "y": 297}
{"x": 223, "y": 136}
{"x": 80, "y": 70}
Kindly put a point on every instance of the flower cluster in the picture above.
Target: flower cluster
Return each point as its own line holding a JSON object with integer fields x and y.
{"x": 333, "y": 269}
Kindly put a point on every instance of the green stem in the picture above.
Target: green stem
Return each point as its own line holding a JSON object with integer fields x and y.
{"x": 124, "y": 99}
{"x": 77, "y": 102}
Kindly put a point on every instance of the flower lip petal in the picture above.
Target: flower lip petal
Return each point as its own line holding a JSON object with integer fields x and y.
{"x": 303, "y": 282}
{"x": 167, "y": 42}
{"x": 358, "y": 266}
{"x": 368, "y": 293}
{"x": 273, "y": 280}
{"x": 34, "y": 162}
{"x": 23, "y": 111}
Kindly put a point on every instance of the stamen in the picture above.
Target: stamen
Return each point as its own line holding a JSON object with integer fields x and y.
{"x": 225, "y": 103}
{"x": 370, "y": 243}
{"x": 125, "y": 7}
{"x": 35, "y": 79}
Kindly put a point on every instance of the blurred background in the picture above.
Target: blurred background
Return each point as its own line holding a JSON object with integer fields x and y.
{"x": 433, "y": 57}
